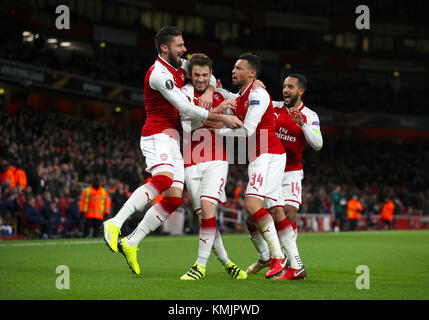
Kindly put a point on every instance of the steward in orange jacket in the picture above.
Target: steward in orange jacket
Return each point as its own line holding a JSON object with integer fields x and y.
{"x": 94, "y": 204}
{"x": 21, "y": 178}
{"x": 354, "y": 210}
{"x": 9, "y": 177}
{"x": 387, "y": 212}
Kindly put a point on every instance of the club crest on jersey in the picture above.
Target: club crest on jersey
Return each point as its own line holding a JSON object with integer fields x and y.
{"x": 169, "y": 84}
{"x": 164, "y": 157}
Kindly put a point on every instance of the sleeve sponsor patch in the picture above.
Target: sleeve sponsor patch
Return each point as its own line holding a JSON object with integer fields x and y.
{"x": 254, "y": 102}
{"x": 169, "y": 84}
{"x": 315, "y": 123}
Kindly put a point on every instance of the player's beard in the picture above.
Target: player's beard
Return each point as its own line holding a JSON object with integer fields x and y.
{"x": 201, "y": 91}
{"x": 293, "y": 100}
{"x": 174, "y": 61}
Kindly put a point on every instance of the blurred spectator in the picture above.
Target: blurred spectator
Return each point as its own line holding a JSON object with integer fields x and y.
{"x": 73, "y": 215}
{"x": 354, "y": 211}
{"x": 33, "y": 216}
{"x": 119, "y": 197}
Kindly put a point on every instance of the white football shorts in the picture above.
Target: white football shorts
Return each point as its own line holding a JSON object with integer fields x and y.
{"x": 206, "y": 181}
{"x": 162, "y": 154}
{"x": 291, "y": 188}
{"x": 265, "y": 178}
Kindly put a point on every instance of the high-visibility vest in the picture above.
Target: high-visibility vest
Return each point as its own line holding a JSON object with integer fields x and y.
{"x": 354, "y": 209}
{"x": 9, "y": 176}
{"x": 388, "y": 210}
{"x": 21, "y": 178}
{"x": 94, "y": 203}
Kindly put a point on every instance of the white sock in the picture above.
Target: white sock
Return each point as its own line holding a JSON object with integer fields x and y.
{"x": 219, "y": 250}
{"x": 153, "y": 218}
{"x": 136, "y": 202}
{"x": 287, "y": 237}
{"x": 265, "y": 223}
{"x": 260, "y": 245}
{"x": 207, "y": 236}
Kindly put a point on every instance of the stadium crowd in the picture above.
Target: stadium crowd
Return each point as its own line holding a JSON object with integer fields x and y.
{"x": 114, "y": 65}
{"x": 60, "y": 155}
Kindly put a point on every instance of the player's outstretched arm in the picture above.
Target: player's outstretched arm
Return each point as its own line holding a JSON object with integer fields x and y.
{"x": 165, "y": 85}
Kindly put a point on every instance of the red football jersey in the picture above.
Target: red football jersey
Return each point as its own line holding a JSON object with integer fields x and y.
{"x": 161, "y": 114}
{"x": 291, "y": 134}
{"x": 208, "y": 146}
{"x": 264, "y": 140}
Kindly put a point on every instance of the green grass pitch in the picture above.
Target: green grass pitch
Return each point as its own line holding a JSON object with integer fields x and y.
{"x": 398, "y": 263}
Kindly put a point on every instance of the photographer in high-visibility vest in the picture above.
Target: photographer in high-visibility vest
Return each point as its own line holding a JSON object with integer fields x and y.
{"x": 94, "y": 204}
{"x": 354, "y": 210}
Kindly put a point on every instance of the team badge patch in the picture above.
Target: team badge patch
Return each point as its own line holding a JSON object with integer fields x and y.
{"x": 164, "y": 156}
{"x": 169, "y": 84}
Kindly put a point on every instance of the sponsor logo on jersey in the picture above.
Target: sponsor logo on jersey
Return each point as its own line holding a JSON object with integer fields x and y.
{"x": 254, "y": 102}
{"x": 316, "y": 123}
{"x": 284, "y": 136}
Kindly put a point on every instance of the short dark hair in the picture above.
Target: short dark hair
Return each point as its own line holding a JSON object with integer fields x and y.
{"x": 302, "y": 80}
{"x": 165, "y": 35}
{"x": 200, "y": 59}
{"x": 253, "y": 60}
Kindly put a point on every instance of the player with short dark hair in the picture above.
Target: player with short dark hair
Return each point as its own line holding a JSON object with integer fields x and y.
{"x": 296, "y": 125}
{"x": 266, "y": 154}
{"x": 160, "y": 144}
{"x": 206, "y": 170}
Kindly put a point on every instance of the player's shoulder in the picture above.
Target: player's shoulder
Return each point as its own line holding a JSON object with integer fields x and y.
{"x": 160, "y": 70}
{"x": 160, "y": 76}
{"x": 308, "y": 112}
{"x": 258, "y": 91}
{"x": 312, "y": 117}
{"x": 258, "y": 94}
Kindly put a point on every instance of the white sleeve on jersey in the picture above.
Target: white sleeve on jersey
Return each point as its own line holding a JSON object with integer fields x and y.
{"x": 163, "y": 82}
{"x": 189, "y": 124}
{"x": 311, "y": 130}
{"x": 185, "y": 66}
{"x": 226, "y": 94}
{"x": 259, "y": 100}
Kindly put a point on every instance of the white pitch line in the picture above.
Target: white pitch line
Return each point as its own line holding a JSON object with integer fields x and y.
{"x": 52, "y": 243}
